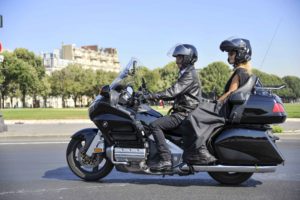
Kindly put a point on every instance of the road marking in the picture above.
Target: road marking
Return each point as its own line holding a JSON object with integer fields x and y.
{"x": 25, "y": 143}
{"x": 23, "y": 191}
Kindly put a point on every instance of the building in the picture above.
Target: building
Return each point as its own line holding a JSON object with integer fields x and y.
{"x": 89, "y": 57}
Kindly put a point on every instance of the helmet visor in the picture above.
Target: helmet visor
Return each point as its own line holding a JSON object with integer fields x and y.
{"x": 179, "y": 49}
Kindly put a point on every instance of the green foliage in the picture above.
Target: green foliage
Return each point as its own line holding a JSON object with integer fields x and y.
{"x": 277, "y": 129}
{"x": 45, "y": 113}
{"x": 268, "y": 79}
{"x": 152, "y": 79}
{"x": 293, "y": 86}
{"x": 214, "y": 77}
{"x": 292, "y": 83}
{"x": 168, "y": 75}
{"x": 23, "y": 74}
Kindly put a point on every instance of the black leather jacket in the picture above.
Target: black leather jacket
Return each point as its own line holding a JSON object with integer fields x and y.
{"x": 185, "y": 92}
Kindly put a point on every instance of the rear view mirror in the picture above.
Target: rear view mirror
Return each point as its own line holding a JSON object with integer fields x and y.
{"x": 132, "y": 71}
{"x": 105, "y": 91}
{"x": 1, "y": 21}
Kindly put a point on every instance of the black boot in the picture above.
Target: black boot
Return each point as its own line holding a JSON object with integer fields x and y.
{"x": 161, "y": 165}
{"x": 200, "y": 157}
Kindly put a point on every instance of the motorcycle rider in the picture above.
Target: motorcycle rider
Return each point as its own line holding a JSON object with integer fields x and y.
{"x": 185, "y": 93}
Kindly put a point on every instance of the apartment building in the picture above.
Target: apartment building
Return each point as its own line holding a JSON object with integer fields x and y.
{"x": 89, "y": 57}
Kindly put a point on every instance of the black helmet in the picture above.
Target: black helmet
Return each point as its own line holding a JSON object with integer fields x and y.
{"x": 241, "y": 46}
{"x": 189, "y": 53}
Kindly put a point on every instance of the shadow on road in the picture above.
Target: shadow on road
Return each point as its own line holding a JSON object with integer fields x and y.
{"x": 64, "y": 173}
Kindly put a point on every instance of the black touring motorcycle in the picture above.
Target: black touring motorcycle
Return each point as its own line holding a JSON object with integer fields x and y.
{"x": 245, "y": 145}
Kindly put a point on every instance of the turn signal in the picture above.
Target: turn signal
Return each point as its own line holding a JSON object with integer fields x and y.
{"x": 98, "y": 150}
{"x": 278, "y": 108}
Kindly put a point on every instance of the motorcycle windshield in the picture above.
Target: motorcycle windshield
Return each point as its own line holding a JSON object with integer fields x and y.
{"x": 128, "y": 70}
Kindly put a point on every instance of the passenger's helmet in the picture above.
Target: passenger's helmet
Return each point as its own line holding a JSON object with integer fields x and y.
{"x": 241, "y": 46}
{"x": 189, "y": 53}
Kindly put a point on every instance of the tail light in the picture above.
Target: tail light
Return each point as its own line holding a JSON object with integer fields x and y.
{"x": 278, "y": 108}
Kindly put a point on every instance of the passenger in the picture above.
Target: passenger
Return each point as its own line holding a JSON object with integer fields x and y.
{"x": 210, "y": 117}
{"x": 239, "y": 55}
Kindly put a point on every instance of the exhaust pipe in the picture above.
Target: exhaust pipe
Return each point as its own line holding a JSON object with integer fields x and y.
{"x": 226, "y": 168}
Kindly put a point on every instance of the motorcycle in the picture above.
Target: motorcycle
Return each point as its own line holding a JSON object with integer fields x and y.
{"x": 245, "y": 145}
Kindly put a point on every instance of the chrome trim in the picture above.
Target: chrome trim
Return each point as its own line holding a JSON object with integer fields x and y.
{"x": 110, "y": 155}
{"x": 225, "y": 168}
{"x": 129, "y": 154}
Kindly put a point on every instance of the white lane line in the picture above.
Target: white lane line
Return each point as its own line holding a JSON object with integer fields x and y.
{"x": 60, "y": 189}
{"x": 25, "y": 143}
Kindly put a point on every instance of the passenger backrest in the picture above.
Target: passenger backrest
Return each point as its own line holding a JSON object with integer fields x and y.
{"x": 238, "y": 99}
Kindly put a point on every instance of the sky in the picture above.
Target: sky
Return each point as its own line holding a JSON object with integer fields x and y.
{"x": 148, "y": 29}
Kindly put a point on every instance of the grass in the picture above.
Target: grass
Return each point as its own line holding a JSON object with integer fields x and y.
{"x": 44, "y": 113}
{"x": 277, "y": 129}
{"x": 293, "y": 111}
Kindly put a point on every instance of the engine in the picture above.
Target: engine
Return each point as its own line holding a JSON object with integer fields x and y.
{"x": 129, "y": 154}
{"x": 120, "y": 155}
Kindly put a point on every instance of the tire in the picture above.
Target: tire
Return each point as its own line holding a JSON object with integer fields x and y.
{"x": 100, "y": 170}
{"x": 229, "y": 178}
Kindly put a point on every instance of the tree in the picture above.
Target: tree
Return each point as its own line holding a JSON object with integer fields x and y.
{"x": 35, "y": 62}
{"x": 152, "y": 79}
{"x": 45, "y": 89}
{"x": 27, "y": 79}
{"x": 272, "y": 80}
{"x": 91, "y": 87}
{"x": 293, "y": 83}
{"x": 30, "y": 58}
{"x": 7, "y": 77}
{"x": 168, "y": 75}
{"x": 214, "y": 77}
{"x": 74, "y": 79}
{"x": 58, "y": 82}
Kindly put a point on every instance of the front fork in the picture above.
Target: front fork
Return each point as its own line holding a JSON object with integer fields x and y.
{"x": 96, "y": 145}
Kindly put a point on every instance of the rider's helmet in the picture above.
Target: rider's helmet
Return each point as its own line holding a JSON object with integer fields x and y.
{"x": 188, "y": 51}
{"x": 241, "y": 46}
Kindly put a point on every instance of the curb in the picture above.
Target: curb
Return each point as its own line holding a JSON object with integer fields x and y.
{"x": 293, "y": 119}
{"x": 80, "y": 121}
{"x": 68, "y": 135}
{"x": 56, "y": 121}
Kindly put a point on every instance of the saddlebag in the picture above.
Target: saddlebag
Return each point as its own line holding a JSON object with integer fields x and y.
{"x": 244, "y": 146}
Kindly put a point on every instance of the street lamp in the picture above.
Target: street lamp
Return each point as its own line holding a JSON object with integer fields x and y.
{"x": 3, "y": 127}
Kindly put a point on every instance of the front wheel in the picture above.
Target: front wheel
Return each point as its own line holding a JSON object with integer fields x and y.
{"x": 230, "y": 178}
{"x": 88, "y": 168}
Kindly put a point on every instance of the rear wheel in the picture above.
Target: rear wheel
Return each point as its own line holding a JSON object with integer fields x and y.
{"x": 230, "y": 178}
{"x": 88, "y": 168}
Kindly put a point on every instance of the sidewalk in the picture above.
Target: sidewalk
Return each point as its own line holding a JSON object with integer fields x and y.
{"x": 51, "y": 121}
{"x": 66, "y": 128}
{"x": 87, "y": 121}
{"x": 45, "y": 129}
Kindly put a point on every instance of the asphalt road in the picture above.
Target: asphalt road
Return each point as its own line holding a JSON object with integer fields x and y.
{"x": 39, "y": 171}
{"x": 66, "y": 129}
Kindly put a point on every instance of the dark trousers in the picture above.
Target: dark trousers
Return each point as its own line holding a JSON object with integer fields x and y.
{"x": 162, "y": 124}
